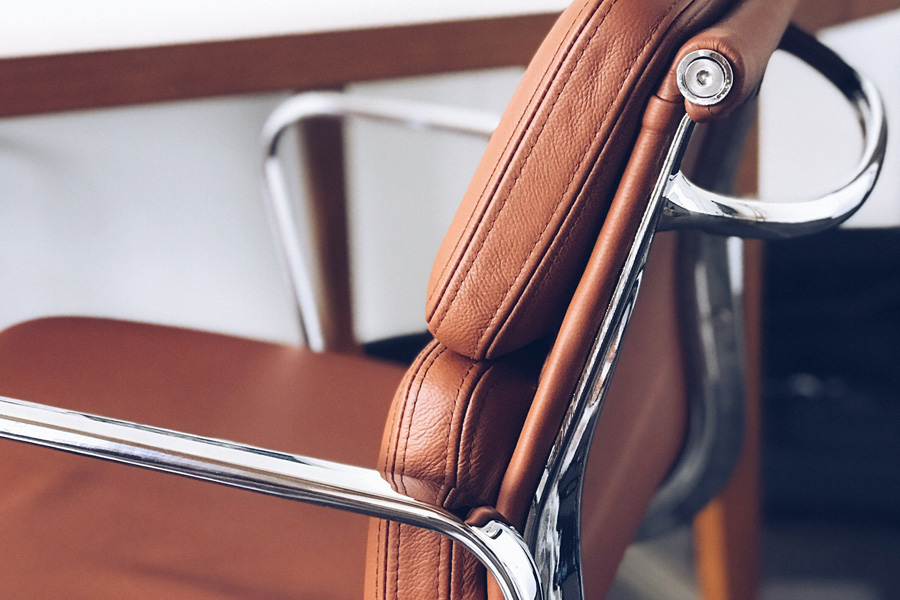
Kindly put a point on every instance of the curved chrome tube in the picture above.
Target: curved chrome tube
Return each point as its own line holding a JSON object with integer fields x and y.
{"x": 711, "y": 307}
{"x": 553, "y": 530}
{"x": 310, "y": 105}
{"x": 688, "y": 206}
{"x": 355, "y": 489}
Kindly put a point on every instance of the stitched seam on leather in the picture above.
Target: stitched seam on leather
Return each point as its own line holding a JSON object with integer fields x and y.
{"x": 524, "y": 162}
{"x": 447, "y": 485}
{"x": 437, "y": 575}
{"x": 505, "y": 163}
{"x": 450, "y": 572}
{"x": 407, "y": 383}
{"x": 397, "y": 549}
{"x": 393, "y": 446}
{"x": 578, "y": 166}
{"x": 437, "y": 579}
{"x": 479, "y": 406}
{"x": 583, "y": 205}
{"x": 581, "y": 208}
{"x": 412, "y": 414}
{"x": 382, "y": 577}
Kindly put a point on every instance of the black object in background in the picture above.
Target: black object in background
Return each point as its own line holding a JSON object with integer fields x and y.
{"x": 832, "y": 374}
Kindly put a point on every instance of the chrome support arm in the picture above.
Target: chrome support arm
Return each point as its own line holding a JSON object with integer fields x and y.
{"x": 688, "y": 206}
{"x": 553, "y": 526}
{"x": 355, "y": 489}
{"x": 310, "y": 105}
{"x": 553, "y": 530}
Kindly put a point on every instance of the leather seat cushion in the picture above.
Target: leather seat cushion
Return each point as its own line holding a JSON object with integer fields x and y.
{"x": 77, "y": 527}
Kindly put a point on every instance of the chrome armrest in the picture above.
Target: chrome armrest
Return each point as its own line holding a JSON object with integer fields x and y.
{"x": 311, "y": 105}
{"x": 688, "y": 206}
{"x": 496, "y": 544}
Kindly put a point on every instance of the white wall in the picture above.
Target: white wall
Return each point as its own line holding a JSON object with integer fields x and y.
{"x": 153, "y": 213}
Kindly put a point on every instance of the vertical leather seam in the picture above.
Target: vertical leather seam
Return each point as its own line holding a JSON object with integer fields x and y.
{"x": 518, "y": 138}
{"x": 478, "y": 407}
{"x": 412, "y": 414}
{"x": 446, "y": 485}
{"x": 524, "y": 162}
{"x": 450, "y": 572}
{"x": 437, "y": 575}
{"x": 400, "y": 415}
{"x": 434, "y": 352}
{"x": 581, "y": 209}
{"x": 578, "y": 166}
{"x": 397, "y": 549}
{"x": 409, "y": 378}
{"x": 381, "y": 564}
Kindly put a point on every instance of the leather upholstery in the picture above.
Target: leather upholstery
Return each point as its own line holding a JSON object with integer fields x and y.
{"x": 80, "y": 528}
{"x": 452, "y": 427}
{"x": 536, "y": 248}
{"x": 518, "y": 244}
{"x": 747, "y": 37}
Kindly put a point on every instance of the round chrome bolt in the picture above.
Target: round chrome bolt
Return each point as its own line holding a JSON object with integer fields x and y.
{"x": 705, "y": 77}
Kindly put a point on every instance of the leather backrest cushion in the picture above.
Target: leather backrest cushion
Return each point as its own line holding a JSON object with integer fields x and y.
{"x": 515, "y": 250}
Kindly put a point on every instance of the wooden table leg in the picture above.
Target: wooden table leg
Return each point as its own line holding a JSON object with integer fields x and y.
{"x": 726, "y": 533}
{"x": 323, "y": 145}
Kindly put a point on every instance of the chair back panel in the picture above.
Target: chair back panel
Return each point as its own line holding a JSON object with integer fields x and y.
{"x": 517, "y": 246}
{"x": 508, "y": 268}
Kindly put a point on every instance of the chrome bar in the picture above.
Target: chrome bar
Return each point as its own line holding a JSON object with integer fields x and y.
{"x": 688, "y": 206}
{"x": 415, "y": 115}
{"x": 355, "y": 489}
{"x": 553, "y": 529}
{"x": 710, "y": 309}
{"x": 712, "y": 338}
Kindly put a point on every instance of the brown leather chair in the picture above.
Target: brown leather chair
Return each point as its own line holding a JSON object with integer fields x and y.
{"x": 527, "y": 303}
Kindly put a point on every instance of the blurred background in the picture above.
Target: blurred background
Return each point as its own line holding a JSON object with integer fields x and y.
{"x": 150, "y": 211}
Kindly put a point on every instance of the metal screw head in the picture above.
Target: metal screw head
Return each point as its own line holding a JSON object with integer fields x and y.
{"x": 705, "y": 77}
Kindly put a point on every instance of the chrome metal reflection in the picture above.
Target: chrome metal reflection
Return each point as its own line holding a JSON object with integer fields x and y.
{"x": 688, "y": 206}
{"x": 553, "y": 531}
{"x": 705, "y": 77}
{"x": 710, "y": 309}
{"x": 285, "y": 227}
{"x": 495, "y": 544}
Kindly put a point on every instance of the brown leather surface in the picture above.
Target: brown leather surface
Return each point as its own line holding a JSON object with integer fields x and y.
{"x": 747, "y": 37}
{"x": 518, "y": 244}
{"x": 641, "y": 429}
{"x": 453, "y": 425}
{"x": 76, "y": 527}
{"x": 588, "y": 306}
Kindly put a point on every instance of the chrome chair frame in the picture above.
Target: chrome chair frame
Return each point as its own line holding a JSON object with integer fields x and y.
{"x": 545, "y": 563}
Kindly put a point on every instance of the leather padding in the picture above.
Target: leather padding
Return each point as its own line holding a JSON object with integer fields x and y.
{"x": 452, "y": 428}
{"x": 81, "y": 529}
{"x": 521, "y": 237}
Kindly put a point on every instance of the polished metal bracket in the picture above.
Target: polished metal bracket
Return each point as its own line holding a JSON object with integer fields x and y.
{"x": 690, "y": 207}
{"x": 553, "y": 527}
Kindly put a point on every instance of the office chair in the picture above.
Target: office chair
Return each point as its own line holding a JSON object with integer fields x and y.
{"x": 474, "y": 472}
